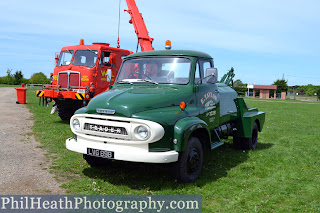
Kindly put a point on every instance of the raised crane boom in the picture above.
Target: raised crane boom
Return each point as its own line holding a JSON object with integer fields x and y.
{"x": 228, "y": 77}
{"x": 139, "y": 26}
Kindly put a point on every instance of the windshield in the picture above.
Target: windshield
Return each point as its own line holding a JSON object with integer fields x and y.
{"x": 162, "y": 70}
{"x": 85, "y": 58}
{"x": 65, "y": 58}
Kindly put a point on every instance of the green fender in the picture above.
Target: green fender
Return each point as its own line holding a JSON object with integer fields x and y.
{"x": 81, "y": 110}
{"x": 245, "y": 119}
{"x": 184, "y": 128}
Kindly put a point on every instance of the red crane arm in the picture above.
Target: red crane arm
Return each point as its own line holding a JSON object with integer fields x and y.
{"x": 139, "y": 26}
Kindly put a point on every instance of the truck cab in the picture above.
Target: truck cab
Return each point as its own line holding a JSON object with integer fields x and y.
{"x": 164, "y": 107}
{"x": 80, "y": 74}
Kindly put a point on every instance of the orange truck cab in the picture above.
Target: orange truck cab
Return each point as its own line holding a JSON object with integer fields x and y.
{"x": 81, "y": 72}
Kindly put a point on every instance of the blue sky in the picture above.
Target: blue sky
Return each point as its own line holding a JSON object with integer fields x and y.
{"x": 261, "y": 39}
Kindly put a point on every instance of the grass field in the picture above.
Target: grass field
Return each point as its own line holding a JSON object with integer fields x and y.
{"x": 281, "y": 175}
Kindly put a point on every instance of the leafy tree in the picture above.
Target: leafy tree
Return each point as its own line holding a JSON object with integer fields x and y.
{"x": 318, "y": 93}
{"x": 13, "y": 79}
{"x": 310, "y": 91}
{"x": 303, "y": 89}
{"x": 282, "y": 85}
{"x": 18, "y": 77}
{"x": 39, "y": 78}
{"x": 238, "y": 83}
{"x": 9, "y": 79}
{"x": 26, "y": 81}
{"x": 240, "y": 87}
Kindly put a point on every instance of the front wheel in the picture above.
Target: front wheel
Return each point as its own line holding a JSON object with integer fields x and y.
{"x": 65, "y": 113}
{"x": 189, "y": 164}
{"x": 67, "y": 107}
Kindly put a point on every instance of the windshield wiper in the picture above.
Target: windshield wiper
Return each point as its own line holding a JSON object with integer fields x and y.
{"x": 137, "y": 81}
{"x": 69, "y": 51}
{"x": 124, "y": 82}
{"x": 149, "y": 81}
{"x": 95, "y": 52}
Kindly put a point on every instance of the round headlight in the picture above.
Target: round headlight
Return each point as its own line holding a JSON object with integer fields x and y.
{"x": 142, "y": 132}
{"x": 76, "y": 124}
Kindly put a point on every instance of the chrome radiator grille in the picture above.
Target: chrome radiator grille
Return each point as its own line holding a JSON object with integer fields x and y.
{"x": 105, "y": 129}
{"x": 69, "y": 78}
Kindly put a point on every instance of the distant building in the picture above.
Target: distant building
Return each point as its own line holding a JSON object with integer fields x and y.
{"x": 264, "y": 90}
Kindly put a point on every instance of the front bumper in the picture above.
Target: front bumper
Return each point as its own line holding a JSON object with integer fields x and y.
{"x": 62, "y": 94}
{"x": 124, "y": 152}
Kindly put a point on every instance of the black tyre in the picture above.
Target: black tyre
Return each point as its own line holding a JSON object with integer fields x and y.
{"x": 189, "y": 164}
{"x": 237, "y": 142}
{"x": 67, "y": 107}
{"x": 247, "y": 143}
{"x": 96, "y": 162}
{"x": 65, "y": 113}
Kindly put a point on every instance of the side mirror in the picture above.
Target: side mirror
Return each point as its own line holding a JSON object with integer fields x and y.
{"x": 211, "y": 75}
{"x": 56, "y": 58}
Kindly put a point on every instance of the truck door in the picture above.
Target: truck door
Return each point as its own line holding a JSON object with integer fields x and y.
{"x": 207, "y": 96}
{"x": 103, "y": 67}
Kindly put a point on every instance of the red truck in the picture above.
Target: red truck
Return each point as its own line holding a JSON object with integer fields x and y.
{"x": 83, "y": 71}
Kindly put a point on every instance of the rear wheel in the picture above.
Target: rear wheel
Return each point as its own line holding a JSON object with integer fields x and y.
{"x": 189, "y": 164}
{"x": 96, "y": 162}
{"x": 247, "y": 143}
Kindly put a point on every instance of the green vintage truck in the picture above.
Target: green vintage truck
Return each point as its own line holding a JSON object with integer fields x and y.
{"x": 165, "y": 107}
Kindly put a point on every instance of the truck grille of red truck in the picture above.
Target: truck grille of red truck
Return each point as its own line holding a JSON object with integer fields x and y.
{"x": 69, "y": 78}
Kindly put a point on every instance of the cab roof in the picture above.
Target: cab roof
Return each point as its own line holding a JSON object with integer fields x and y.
{"x": 94, "y": 46}
{"x": 190, "y": 53}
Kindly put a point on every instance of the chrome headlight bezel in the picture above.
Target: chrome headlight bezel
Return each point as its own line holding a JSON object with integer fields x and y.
{"x": 142, "y": 132}
{"x": 76, "y": 125}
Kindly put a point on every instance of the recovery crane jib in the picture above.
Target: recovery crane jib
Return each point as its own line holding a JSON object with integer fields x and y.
{"x": 140, "y": 28}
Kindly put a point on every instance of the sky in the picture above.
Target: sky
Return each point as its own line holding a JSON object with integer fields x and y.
{"x": 264, "y": 40}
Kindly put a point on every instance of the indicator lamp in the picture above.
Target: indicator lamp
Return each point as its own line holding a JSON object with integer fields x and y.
{"x": 182, "y": 105}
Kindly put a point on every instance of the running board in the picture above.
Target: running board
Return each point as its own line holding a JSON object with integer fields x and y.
{"x": 216, "y": 144}
{"x": 216, "y": 140}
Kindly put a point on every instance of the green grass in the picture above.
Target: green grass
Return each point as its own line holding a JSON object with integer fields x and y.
{"x": 281, "y": 175}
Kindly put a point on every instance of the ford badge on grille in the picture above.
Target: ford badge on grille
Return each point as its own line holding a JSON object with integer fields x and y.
{"x": 106, "y": 111}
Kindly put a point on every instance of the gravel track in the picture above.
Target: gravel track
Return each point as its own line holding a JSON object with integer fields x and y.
{"x": 23, "y": 167}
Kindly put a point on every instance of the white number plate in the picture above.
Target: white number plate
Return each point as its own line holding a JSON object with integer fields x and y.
{"x": 100, "y": 153}
{"x": 79, "y": 90}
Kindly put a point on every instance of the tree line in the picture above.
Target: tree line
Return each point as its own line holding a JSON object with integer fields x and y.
{"x": 17, "y": 78}
{"x": 282, "y": 86}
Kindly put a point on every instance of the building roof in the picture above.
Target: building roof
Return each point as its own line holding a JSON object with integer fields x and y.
{"x": 265, "y": 87}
